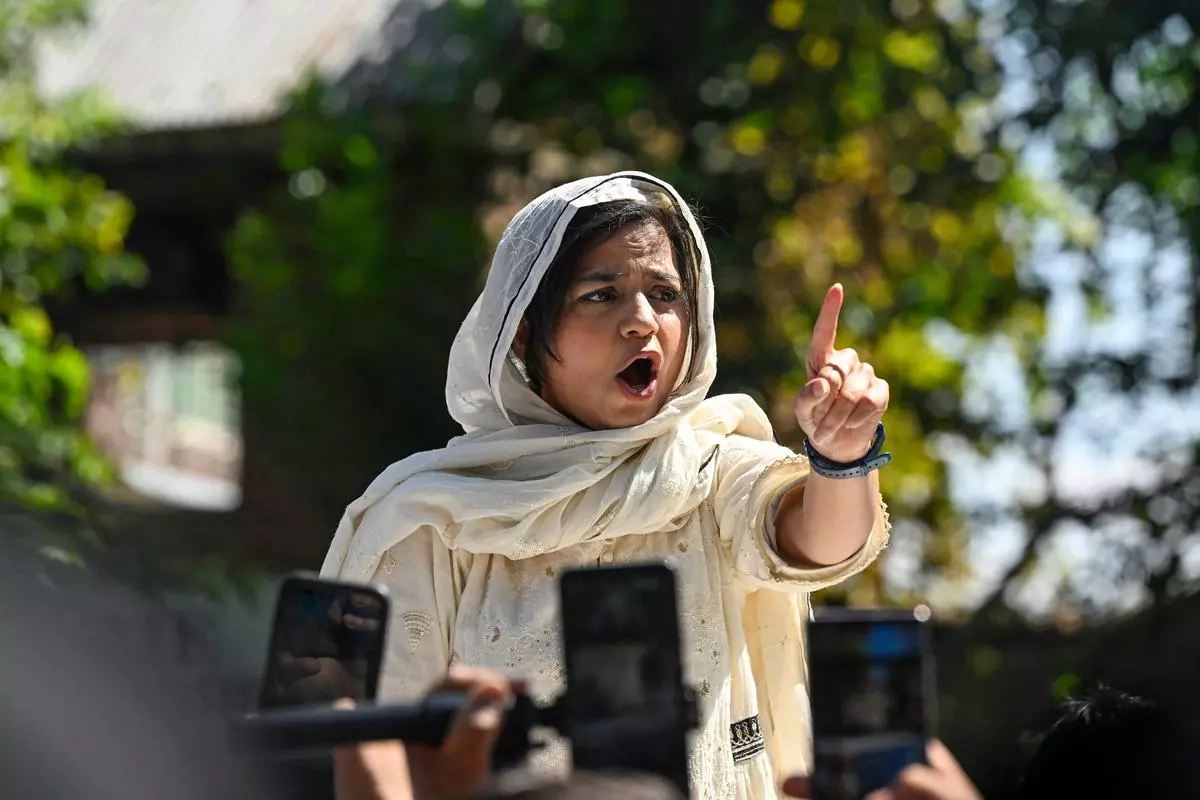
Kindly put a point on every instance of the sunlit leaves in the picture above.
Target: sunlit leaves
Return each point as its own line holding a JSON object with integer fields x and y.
{"x": 870, "y": 178}
{"x": 766, "y": 65}
{"x": 819, "y": 52}
{"x": 59, "y": 231}
{"x": 823, "y": 140}
{"x": 920, "y": 51}
{"x": 787, "y": 14}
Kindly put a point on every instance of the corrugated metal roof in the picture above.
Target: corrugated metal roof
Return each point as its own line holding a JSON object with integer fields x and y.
{"x": 193, "y": 63}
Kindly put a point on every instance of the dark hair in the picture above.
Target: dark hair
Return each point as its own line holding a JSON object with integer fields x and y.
{"x": 1114, "y": 745}
{"x": 589, "y": 228}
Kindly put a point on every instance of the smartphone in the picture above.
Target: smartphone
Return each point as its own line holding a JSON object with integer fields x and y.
{"x": 626, "y": 705}
{"x": 327, "y": 642}
{"x": 873, "y": 697}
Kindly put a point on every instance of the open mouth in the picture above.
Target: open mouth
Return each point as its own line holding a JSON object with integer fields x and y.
{"x": 639, "y": 378}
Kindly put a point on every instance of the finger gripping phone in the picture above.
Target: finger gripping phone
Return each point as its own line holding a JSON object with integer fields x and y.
{"x": 873, "y": 697}
{"x": 626, "y": 706}
{"x": 327, "y": 642}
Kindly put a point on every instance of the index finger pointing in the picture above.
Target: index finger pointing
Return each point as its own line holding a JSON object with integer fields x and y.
{"x": 825, "y": 329}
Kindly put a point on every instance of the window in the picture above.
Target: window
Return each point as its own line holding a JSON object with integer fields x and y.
{"x": 169, "y": 420}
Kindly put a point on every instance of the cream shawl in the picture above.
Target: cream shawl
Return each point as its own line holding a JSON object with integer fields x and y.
{"x": 524, "y": 480}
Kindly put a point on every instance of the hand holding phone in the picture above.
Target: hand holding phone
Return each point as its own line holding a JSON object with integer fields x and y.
{"x": 941, "y": 779}
{"x": 327, "y": 643}
{"x": 459, "y": 767}
{"x": 626, "y": 705}
{"x": 873, "y": 697}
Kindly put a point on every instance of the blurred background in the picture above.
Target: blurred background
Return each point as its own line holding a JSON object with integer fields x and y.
{"x": 237, "y": 237}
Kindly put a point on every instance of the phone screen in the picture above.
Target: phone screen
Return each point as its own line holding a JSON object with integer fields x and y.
{"x": 625, "y": 695}
{"x": 872, "y": 695}
{"x": 327, "y": 643}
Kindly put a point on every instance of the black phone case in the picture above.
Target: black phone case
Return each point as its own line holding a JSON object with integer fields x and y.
{"x": 658, "y": 623}
{"x": 833, "y": 616}
{"x": 302, "y": 582}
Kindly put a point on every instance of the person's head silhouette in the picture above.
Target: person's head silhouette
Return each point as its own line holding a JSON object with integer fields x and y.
{"x": 1114, "y": 745}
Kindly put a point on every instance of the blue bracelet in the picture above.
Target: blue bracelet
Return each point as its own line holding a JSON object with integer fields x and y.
{"x": 828, "y": 468}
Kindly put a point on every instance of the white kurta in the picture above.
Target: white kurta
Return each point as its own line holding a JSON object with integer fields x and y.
{"x": 487, "y": 610}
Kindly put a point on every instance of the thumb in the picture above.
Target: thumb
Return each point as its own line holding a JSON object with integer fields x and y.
{"x": 940, "y": 757}
{"x": 817, "y": 389}
{"x": 468, "y": 746}
{"x": 812, "y": 403}
{"x": 797, "y": 786}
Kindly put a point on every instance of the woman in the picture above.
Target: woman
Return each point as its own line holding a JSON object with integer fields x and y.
{"x": 580, "y": 377}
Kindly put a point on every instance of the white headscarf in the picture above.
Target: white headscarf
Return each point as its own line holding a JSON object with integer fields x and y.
{"x": 525, "y": 480}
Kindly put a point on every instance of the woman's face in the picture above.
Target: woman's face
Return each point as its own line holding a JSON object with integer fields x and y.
{"x": 622, "y": 334}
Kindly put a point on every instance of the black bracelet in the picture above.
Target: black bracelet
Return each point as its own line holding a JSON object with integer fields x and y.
{"x": 828, "y": 468}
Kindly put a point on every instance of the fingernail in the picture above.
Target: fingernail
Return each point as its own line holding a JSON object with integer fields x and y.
{"x": 487, "y": 719}
{"x": 486, "y": 710}
{"x": 821, "y": 389}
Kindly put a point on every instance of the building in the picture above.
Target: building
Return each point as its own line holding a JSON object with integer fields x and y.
{"x": 203, "y": 84}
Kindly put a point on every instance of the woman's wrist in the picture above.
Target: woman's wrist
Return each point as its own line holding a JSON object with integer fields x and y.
{"x": 872, "y": 460}
{"x": 826, "y": 521}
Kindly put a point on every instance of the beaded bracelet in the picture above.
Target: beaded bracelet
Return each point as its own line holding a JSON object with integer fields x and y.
{"x": 828, "y": 468}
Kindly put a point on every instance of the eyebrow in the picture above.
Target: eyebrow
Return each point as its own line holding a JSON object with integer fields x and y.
{"x": 597, "y": 276}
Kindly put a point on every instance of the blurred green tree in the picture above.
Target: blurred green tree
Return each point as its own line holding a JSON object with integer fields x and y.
{"x": 352, "y": 284}
{"x": 59, "y": 231}
{"x": 1102, "y": 96}
{"x": 822, "y": 139}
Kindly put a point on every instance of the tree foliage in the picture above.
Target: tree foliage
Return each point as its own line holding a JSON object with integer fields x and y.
{"x": 59, "y": 231}
{"x": 1103, "y": 98}
{"x": 822, "y": 141}
{"x": 354, "y": 281}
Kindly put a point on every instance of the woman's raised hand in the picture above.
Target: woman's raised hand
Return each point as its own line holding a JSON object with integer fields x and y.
{"x": 843, "y": 401}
